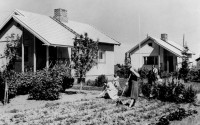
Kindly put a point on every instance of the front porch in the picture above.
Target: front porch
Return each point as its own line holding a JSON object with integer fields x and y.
{"x": 35, "y": 55}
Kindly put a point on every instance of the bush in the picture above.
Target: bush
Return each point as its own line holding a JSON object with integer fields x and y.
{"x": 25, "y": 83}
{"x": 194, "y": 74}
{"x": 170, "y": 91}
{"x": 101, "y": 80}
{"x": 189, "y": 95}
{"x": 143, "y": 73}
{"x": 47, "y": 86}
{"x": 9, "y": 77}
{"x": 90, "y": 82}
{"x": 178, "y": 114}
{"x": 63, "y": 73}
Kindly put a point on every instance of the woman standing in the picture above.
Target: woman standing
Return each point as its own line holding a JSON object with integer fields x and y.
{"x": 133, "y": 85}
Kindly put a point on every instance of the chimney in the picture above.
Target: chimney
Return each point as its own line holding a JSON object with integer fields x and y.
{"x": 164, "y": 37}
{"x": 60, "y": 15}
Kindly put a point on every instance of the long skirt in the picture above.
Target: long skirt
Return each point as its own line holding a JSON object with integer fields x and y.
{"x": 133, "y": 89}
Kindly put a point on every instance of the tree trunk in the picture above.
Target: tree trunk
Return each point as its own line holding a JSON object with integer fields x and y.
{"x": 81, "y": 82}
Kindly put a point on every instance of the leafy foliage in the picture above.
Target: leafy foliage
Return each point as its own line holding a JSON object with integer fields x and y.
{"x": 63, "y": 73}
{"x": 121, "y": 70}
{"x": 84, "y": 54}
{"x": 178, "y": 114}
{"x": 10, "y": 77}
{"x": 170, "y": 91}
{"x": 42, "y": 85}
{"x": 101, "y": 80}
{"x": 183, "y": 72}
{"x": 12, "y": 51}
{"x": 24, "y": 82}
{"x": 46, "y": 86}
{"x": 194, "y": 74}
{"x": 143, "y": 73}
{"x": 90, "y": 82}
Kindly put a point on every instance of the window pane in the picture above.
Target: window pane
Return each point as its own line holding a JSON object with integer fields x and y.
{"x": 100, "y": 55}
{"x": 156, "y": 60}
{"x": 145, "y": 60}
{"x": 150, "y": 60}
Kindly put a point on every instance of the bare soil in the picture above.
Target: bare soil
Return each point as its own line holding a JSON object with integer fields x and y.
{"x": 83, "y": 108}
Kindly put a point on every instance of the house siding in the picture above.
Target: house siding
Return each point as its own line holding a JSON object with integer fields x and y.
{"x": 11, "y": 27}
{"x": 137, "y": 57}
{"x": 107, "y": 67}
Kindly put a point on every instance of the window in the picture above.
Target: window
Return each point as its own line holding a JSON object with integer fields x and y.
{"x": 102, "y": 56}
{"x": 151, "y": 60}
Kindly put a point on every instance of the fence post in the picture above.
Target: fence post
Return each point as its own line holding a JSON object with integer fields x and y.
{"x": 6, "y": 93}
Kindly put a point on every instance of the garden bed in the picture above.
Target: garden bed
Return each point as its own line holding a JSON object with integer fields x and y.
{"x": 84, "y": 108}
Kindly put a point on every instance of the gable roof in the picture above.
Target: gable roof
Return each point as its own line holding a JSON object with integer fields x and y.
{"x": 52, "y": 32}
{"x": 168, "y": 45}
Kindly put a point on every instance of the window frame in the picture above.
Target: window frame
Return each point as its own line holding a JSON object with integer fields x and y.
{"x": 148, "y": 62}
{"x": 103, "y": 59}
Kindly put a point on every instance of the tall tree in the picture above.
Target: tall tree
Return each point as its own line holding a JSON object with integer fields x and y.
{"x": 184, "y": 70}
{"x": 84, "y": 55}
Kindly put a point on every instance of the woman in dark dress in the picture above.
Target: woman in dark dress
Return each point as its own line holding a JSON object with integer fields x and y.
{"x": 133, "y": 85}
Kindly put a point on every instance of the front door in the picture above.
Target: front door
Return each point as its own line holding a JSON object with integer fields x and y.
{"x": 171, "y": 66}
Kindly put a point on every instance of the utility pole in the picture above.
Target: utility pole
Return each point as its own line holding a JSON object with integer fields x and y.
{"x": 183, "y": 40}
{"x": 139, "y": 38}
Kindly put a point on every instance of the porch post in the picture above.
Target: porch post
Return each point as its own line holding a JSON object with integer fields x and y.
{"x": 167, "y": 64}
{"x": 159, "y": 59}
{"x": 69, "y": 52}
{"x": 34, "y": 55}
{"x": 22, "y": 49}
{"x": 47, "y": 57}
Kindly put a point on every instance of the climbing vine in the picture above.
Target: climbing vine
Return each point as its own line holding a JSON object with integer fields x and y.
{"x": 12, "y": 51}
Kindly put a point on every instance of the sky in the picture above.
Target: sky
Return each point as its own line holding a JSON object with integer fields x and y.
{"x": 127, "y": 21}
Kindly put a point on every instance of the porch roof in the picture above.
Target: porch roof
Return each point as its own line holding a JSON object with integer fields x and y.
{"x": 44, "y": 28}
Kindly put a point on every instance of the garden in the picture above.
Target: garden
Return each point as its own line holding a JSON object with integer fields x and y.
{"x": 40, "y": 99}
{"x": 49, "y": 96}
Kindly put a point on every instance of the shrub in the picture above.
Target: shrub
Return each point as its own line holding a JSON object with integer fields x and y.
{"x": 170, "y": 91}
{"x": 9, "y": 77}
{"x": 194, "y": 74}
{"x": 47, "y": 86}
{"x": 101, "y": 80}
{"x": 143, "y": 73}
{"x": 25, "y": 83}
{"x": 189, "y": 95}
{"x": 90, "y": 82}
{"x": 178, "y": 114}
{"x": 146, "y": 89}
{"x": 63, "y": 73}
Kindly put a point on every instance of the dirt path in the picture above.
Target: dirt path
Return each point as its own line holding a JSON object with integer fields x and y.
{"x": 22, "y": 103}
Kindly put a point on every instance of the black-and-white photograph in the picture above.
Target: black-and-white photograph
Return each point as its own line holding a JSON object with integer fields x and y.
{"x": 99, "y": 62}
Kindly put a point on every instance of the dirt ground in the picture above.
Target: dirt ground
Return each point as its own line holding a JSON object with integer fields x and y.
{"x": 84, "y": 108}
{"x": 21, "y": 102}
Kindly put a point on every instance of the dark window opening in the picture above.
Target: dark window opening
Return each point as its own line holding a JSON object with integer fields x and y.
{"x": 151, "y": 60}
